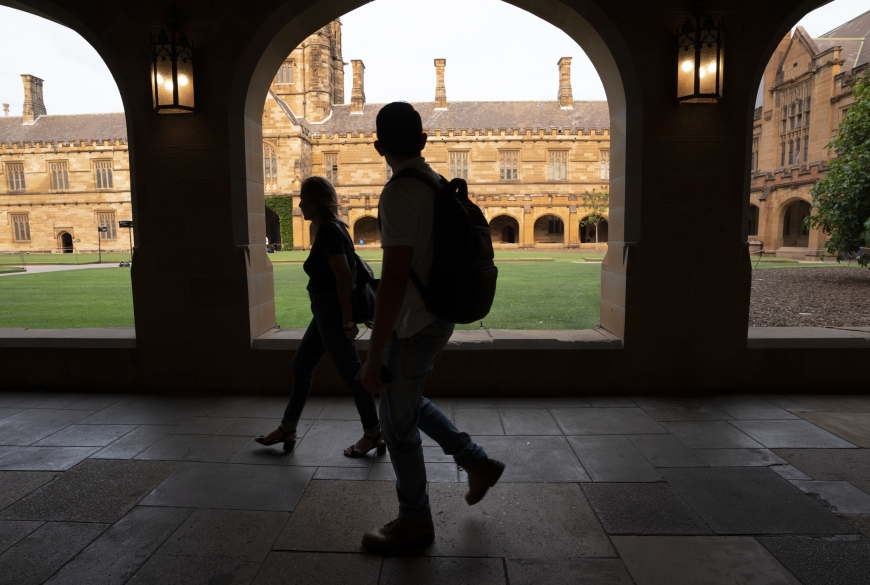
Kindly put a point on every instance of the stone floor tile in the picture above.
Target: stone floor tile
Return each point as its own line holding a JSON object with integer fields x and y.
{"x": 440, "y": 570}
{"x": 93, "y": 491}
{"x": 257, "y": 454}
{"x": 605, "y": 421}
{"x": 528, "y": 421}
{"x": 750, "y": 408}
{"x": 43, "y": 458}
{"x": 242, "y": 487}
{"x": 536, "y": 459}
{"x": 134, "y": 442}
{"x": 8, "y": 399}
{"x": 202, "y": 425}
{"x": 301, "y": 568}
{"x": 119, "y": 551}
{"x": 789, "y": 472}
{"x": 34, "y": 399}
{"x": 610, "y": 402}
{"x": 710, "y": 435}
{"x": 798, "y": 434}
{"x": 12, "y": 531}
{"x": 35, "y": 558}
{"x": 835, "y": 402}
{"x": 149, "y": 410}
{"x": 476, "y": 403}
{"x": 254, "y": 427}
{"x": 851, "y": 426}
{"x": 96, "y": 402}
{"x": 85, "y": 436}
{"x": 166, "y": 570}
{"x": 739, "y": 457}
{"x": 612, "y": 458}
{"x": 195, "y": 448}
{"x": 833, "y": 560}
{"x": 6, "y": 412}
{"x": 711, "y": 560}
{"x": 751, "y": 500}
{"x": 643, "y": 509}
{"x": 830, "y": 464}
{"x": 435, "y": 472}
{"x": 227, "y": 406}
{"x": 274, "y": 406}
{"x": 567, "y": 572}
{"x": 679, "y": 409}
{"x": 339, "y": 409}
{"x": 840, "y": 497}
{"x": 432, "y": 455}
{"x": 29, "y": 426}
{"x": 238, "y": 534}
{"x": 860, "y": 522}
{"x": 63, "y": 400}
{"x": 14, "y": 485}
{"x": 325, "y": 442}
{"x": 478, "y": 421}
{"x": 785, "y": 403}
{"x": 861, "y": 484}
{"x": 665, "y": 451}
{"x": 342, "y": 473}
{"x": 545, "y": 402}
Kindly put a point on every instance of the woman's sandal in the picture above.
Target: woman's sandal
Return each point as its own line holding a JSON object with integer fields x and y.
{"x": 289, "y": 439}
{"x": 377, "y": 443}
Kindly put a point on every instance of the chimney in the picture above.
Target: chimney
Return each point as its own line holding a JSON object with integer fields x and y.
{"x": 566, "y": 98}
{"x": 33, "y": 104}
{"x": 440, "y": 92}
{"x": 5, "y": 109}
{"x": 358, "y": 93}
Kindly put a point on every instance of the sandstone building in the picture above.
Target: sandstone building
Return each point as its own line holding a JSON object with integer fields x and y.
{"x": 805, "y": 94}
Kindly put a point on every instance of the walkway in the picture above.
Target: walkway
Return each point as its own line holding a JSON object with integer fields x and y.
{"x": 612, "y": 490}
{"x": 43, "y": 268}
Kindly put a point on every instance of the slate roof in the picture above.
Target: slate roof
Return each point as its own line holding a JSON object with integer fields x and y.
{"x": 478, "y": 115}
{"x": 855, "y": 34}
{"x": 852, "y": 51}
{"x": 64, "y": 128}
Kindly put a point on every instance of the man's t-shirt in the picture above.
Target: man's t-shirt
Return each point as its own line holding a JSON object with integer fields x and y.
{"x": 406, "y": 211}
{"x": 329, "y": 241}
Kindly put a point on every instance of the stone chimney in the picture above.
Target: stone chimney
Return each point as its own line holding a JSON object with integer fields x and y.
{"x": 358, "y": 93}
{"x": 440, "y": 92}
{"x": 5, "y": 109}
{"x": 34, "y": 107}
{"x": 566, "y": 98}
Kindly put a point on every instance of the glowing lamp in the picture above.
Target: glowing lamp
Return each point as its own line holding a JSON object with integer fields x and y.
{"x": 699, "y": 59}
{"x": 172, "y": 72}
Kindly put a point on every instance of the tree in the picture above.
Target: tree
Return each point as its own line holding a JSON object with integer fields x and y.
{"x": 842, "y": 198}
{"x": 598, "y": 204}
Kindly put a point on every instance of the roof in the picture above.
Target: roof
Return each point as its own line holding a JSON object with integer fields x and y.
{"x": 854, "y": 34}
{"x": 851, "y": 50}
{"x": 64, "y": 128}
{"x": 478, "y": 115}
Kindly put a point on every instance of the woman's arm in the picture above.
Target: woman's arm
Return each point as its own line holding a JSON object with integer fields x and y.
{"x": 344, "y": 288}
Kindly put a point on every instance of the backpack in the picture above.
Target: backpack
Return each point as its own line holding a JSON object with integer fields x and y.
{"x": 461, "y": 285}
{"x": 365, "y": 285}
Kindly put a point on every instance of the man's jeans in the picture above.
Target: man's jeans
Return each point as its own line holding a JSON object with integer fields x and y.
{"x": 405, "y": 412}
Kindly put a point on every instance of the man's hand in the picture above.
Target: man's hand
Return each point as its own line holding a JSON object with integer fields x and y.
{"x": 351, "y": 333}
{"x": 370, "y": 376}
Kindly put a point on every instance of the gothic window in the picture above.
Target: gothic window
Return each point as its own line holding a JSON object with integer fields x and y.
{"x": 555, "y": 225}
{"x": 285, "y": 73}
{"x": 16, "y": 176}
{"x": 20, "y": 227}
{"x": 270, "y": 163}
{"x": 782, "y": 155}
{"x": 508, "y": 164}
{"x": 790, "y": 152}
{"x": 753, "y": 163}
{"x": 459, "y": 165}
{"x": 558, "y": 165}
{"x": 59, "y": 175}
{"x": 806, "y": 147}
{"x": 103, "y": 172}
{"x": 107, "y": 220}
{"x": 797, "y": 152}
{"x": 330, "y": 161}
{"x": 604, "y": 174}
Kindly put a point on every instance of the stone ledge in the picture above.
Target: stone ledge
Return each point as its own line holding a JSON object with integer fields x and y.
{"x": 124, "y": 338}
{"x": 808, "y": 338}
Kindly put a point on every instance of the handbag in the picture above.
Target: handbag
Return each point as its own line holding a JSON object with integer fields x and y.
{"x": 365, "y": 286}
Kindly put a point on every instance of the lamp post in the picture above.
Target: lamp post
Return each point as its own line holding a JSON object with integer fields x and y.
{"x": 700, "y": 59}
{"x": 172, "y": 71}
{"x": 128, "y": 223}
{"x": 101, "y": 229}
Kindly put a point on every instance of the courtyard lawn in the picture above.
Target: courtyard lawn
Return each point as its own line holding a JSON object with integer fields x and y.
{"x": 88, "y": 258}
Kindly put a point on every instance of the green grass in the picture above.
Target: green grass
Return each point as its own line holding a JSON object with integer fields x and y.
{"x": 19, "y": 259}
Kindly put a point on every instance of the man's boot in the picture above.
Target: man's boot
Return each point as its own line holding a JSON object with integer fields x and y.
{"x": 399, "y": 537}
{"x": 481, "y": 477}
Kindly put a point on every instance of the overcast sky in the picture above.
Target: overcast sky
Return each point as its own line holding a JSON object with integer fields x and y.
{"x": 489, "y": 46}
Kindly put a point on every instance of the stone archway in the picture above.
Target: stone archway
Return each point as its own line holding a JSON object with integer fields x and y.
{"x": 65, "y": 242}
{"x": 549, "y": 229}
{"x": 504, "y": 229}
{"x": 754, "y": 214}
{"x": 366, "y": 232}
{"x": 794, "y": 233}
{"x": 273, "y": 229}
{"x": 588, "y": 232}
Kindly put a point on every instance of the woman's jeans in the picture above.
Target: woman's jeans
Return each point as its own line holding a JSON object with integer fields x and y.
{"x": 325, "y": 334}
{"x": 405, "y": 412}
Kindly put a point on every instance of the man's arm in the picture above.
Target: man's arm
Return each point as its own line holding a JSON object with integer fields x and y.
{"x": 388, "y": 303}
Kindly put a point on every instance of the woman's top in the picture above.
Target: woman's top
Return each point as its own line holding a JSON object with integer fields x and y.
{"x": 331, "y": 239}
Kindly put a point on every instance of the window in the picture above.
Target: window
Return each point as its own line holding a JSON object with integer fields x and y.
{"x": 806, "y": 147}
{"x": 790, "y": 152}
{"x": 555, "y": 225}
{"x": 558, "y": 165}
{"x": 270, "y": 163}
{"x": 797, "y": 152}
{"x": 508, "y": 163}
{"x": 782, "y": 155}
{"x": 107, "y": 220}
{"x": 753, "y": 161}
{"x": 59, "y": 175}
{"x": 285, "y": 73}
{"x": 459, "y": 165}
{"x": 605, "y": 165}
{"x": 389, "y": 171}
{"x": 16, "y": 176}
{"x": 103, "y": 170}
{"x": 20, "y": 227}
{"x": 330, "y": 161}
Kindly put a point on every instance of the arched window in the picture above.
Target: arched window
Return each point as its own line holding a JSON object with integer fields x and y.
{"x": 270, "y": 163}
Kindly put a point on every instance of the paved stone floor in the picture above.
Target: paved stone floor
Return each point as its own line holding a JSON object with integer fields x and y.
{"x": 112, "y": 489}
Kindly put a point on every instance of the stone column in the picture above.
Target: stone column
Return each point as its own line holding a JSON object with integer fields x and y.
{"x": 34, "y": 107}
{"x": 440, "y": 91}
{"x": 566, "y": 97}
{"x": 357, "y": 94}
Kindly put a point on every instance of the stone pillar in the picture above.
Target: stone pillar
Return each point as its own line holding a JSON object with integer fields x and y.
{"x": 34, "y": 107}
{"x": 358, "y": 94}
{"x": 440, "y": 91}
{"x": 566, "y": 98}
{"x": 6, "y": 110}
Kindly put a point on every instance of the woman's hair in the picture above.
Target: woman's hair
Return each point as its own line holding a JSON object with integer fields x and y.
{"x": 322, "y": 194}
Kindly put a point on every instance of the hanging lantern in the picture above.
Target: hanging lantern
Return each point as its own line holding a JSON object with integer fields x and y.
{"x": 172, "y": 72}
{"x": 699, "y": 59}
